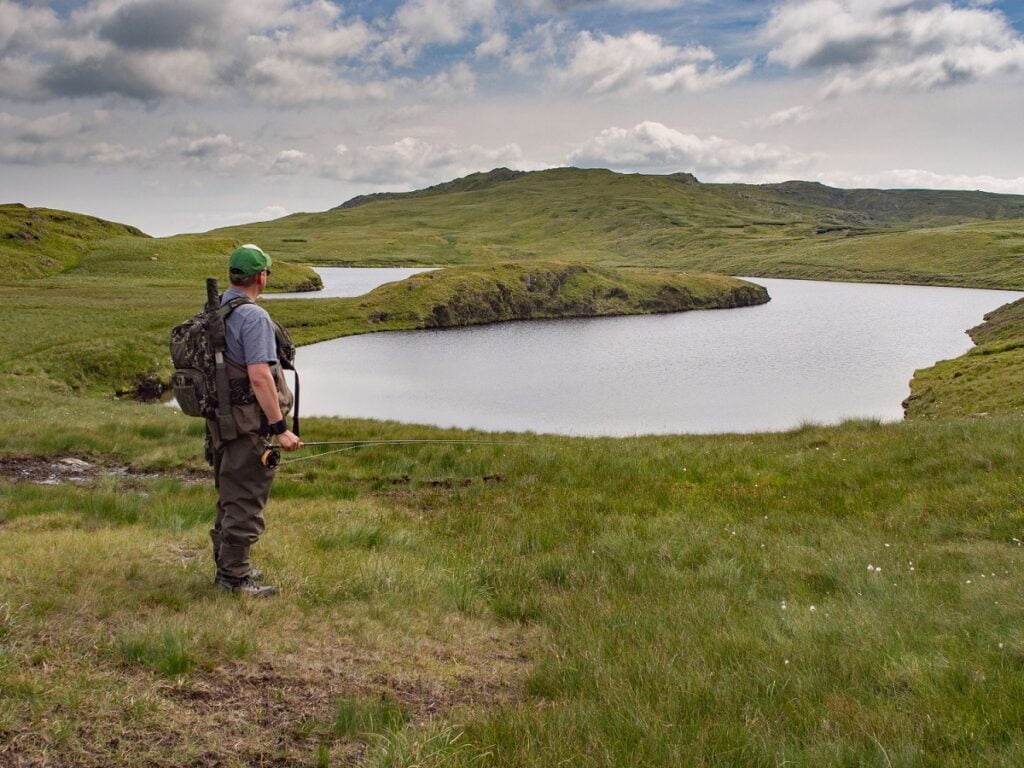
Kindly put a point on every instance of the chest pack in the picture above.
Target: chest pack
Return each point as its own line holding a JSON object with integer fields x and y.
{"x": 200, "y": 381}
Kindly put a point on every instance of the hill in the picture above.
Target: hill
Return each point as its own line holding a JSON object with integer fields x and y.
{"x": 35, "y": 242}
{"x": 796, "y": 229}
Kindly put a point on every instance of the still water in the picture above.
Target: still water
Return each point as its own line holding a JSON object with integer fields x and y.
{"x": 818, "y": 352}
{"x": 340, "y": 282}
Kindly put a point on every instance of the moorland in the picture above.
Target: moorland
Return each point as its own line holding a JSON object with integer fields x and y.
{"x": 845, "y": 595}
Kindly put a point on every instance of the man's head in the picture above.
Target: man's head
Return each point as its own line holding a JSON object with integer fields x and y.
{"x": 248, "y": 266}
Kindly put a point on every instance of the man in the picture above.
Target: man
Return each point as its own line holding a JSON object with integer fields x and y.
{"x": 260, "y": 399}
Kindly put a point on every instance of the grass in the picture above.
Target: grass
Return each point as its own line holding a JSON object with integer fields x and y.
{"x": 601, "y": 218}
{"x": 825, "y": 596}
{"x": 648, "y": 601}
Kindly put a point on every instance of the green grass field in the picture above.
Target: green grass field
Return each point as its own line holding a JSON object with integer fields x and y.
{"x": 844, "y": 596}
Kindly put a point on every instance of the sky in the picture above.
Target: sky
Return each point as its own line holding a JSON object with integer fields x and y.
{"x": 185, "y": 115}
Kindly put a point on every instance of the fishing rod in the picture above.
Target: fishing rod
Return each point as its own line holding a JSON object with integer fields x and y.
{"x": 272, "y": 453}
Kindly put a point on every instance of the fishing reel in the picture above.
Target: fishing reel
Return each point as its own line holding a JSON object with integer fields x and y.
{"x": 271, "y": 457}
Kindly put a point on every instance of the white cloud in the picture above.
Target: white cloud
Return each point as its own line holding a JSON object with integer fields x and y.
{"x": 291, "y": 162}
{"x": 22, "y": 27}
{"x": 460, "y": 80}
{"x": 652, "y": 146}
{"x": 893, "y": 44}
{"x": 788, "y": 116}
{"x": 539, "y": 46}
{"x": 644, "y": 62}
{"x": 495, "y": 45}
{"x": 412, "y": 162}
{"x": 420, "y": 23}
{"x": 915, "y": 178}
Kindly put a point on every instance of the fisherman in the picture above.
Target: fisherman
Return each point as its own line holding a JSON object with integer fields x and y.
{"x": 260, "y": 400}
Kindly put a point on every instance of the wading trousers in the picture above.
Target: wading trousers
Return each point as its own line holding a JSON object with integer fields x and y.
{"x": 243, "y": 486}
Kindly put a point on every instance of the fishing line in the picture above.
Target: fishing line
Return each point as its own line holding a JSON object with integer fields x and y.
{"x": 272, "y": 455}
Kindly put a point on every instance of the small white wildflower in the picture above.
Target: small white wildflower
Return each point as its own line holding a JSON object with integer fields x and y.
{"x": 813, "y": 608}
{"x": 1000, "y": 645}
{"x": 911, "y": 567}
{"x": 968, "y": 581}
{"x": 785, "y": 661}
{"x": 888, "y": 545}
{"x": 871, "y": 567}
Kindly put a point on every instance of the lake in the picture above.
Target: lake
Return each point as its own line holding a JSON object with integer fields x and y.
{"x": 340, "y": 282}
{"x": 818, "y": 352}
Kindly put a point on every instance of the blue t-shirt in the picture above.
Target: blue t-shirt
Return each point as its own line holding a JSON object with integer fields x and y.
{"x": 248, "y": 332}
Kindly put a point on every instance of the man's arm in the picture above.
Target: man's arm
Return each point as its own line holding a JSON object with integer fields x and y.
{"x": 263, "y": 386}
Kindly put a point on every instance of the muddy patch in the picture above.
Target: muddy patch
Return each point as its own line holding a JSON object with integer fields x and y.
{"x": 280, "y": 712}
{"x": 57, "y": 470}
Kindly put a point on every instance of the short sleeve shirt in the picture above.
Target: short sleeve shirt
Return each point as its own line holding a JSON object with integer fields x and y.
{"x": 249, "y": 332}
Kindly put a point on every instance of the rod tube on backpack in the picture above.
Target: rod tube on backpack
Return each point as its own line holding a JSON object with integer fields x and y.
{"x": 212, "y": 294}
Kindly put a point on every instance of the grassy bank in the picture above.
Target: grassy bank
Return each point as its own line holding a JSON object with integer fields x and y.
{"x": 797, "y": 229}
{"x": 982, "y": 382}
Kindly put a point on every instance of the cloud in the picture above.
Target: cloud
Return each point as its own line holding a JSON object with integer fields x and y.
{"x": 412, "y": 162}
{"x": 51, "y": 127}
{"x": 21, "y": 26}
{"x": 788, "y": 116}
{"x": 642, "y": 62}
{"x": 652, "y": 146}
{"x": 915, "y": 178}
{"x": 293, "y": 162}
{"x": 892, "y": 44}
{"x": 99, "y": 153}
{"x": 420, "y": 23}
{"x": 276, "y": 51}
{"x": 161, "y": 24}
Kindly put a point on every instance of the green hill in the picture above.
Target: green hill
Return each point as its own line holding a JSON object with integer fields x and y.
{"x": 796, "y": 229}
{"x": 35, "y": 242}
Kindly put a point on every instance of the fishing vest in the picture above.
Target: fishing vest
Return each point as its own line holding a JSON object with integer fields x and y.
{"x": 208, "y": 384}
{"x": 245, "y": 410}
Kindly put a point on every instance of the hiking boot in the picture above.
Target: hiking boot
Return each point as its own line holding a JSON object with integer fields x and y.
{"x": 246, "y": 587}
{"x": 254, "y": 573}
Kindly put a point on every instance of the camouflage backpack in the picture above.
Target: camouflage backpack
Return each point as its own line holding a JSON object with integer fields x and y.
{"x": 200, "y": 381}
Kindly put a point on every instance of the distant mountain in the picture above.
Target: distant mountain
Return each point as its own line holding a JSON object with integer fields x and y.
{"x": 794, "y": 229}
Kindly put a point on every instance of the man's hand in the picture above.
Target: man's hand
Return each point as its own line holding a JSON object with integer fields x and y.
{"x": 289, "y": 441}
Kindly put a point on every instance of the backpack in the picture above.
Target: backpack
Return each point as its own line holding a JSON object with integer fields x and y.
{"x": 200, "y": 380}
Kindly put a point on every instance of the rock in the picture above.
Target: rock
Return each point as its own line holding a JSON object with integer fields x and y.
{"x": 148, "y": 386}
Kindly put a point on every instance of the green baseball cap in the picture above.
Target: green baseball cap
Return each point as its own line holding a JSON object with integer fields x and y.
{"x": 248, "y": 260}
